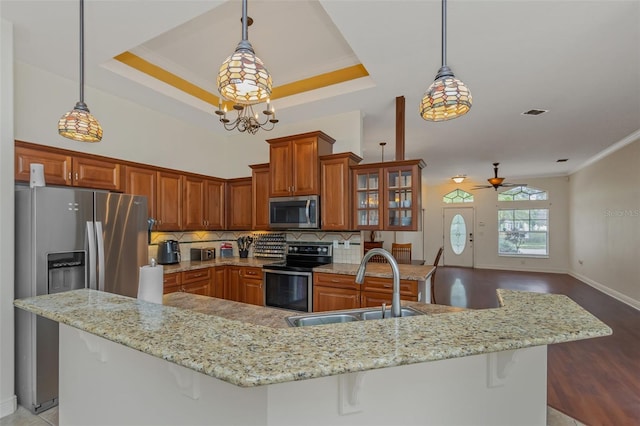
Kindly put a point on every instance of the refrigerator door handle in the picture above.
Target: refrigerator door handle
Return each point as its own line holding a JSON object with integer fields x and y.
{"x": 91, "y": 238}
{"x": 101, "y": 265}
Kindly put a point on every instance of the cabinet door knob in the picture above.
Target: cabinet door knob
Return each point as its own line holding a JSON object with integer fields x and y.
{"x": 76, "y": 175}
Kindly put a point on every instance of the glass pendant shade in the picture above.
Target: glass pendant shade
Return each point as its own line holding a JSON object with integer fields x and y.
{"x": 78, "y": 124}
{"x": 243, "y": 78}
{"x": 447, "y": 98}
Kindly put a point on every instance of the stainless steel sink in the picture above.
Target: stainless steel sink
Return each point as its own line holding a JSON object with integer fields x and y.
{"x": 334, "y": 317}
{"x": 377, "y": 314}
{"x": 321, "y": 319}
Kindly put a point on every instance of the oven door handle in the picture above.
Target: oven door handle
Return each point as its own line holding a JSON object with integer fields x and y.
{"x": 277, "y": 271}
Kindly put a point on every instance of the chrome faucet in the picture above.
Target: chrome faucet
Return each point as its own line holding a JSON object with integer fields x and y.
{"x": 395, "y": 301}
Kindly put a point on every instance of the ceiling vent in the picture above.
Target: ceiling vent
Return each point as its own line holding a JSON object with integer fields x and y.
{"x": 535, "y": 112}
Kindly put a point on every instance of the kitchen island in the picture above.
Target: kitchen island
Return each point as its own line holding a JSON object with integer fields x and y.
{"x": 160, "y": 364}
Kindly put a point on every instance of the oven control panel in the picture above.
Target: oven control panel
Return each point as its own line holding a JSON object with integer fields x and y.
{"x": 309, "y": 249}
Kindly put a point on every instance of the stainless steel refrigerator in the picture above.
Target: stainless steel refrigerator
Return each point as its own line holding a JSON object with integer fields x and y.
{"x": 67, "y": 239}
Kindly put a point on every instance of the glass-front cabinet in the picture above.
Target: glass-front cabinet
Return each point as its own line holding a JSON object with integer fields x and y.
{"x": 368, "y": 199}
{"x": 388, "y": 195}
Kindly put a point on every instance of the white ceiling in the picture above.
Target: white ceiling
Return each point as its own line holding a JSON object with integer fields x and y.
{"x": 578, "y": 59}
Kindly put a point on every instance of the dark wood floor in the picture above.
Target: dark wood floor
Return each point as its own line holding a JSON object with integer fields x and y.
{"x": 596, "y": 381}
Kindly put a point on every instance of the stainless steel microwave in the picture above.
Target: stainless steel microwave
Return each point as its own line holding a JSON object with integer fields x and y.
{"x": 294, "y": 212}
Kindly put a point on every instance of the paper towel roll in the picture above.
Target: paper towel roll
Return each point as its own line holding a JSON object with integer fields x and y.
{"x": 151, "y": 283}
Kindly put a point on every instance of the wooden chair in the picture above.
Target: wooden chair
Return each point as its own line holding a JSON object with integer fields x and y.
{"x": 401, "y": 252}
{"x": 368, "y": 245}
{"x": 433, "y": 276}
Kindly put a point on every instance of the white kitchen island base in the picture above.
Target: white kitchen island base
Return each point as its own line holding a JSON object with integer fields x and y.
{"x": 105, "y": 383}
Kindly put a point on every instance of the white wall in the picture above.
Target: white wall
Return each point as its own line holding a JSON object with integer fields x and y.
{"x": 486, "y": 212}
{"x": 605, "y": 223}
{"x": 136, "y": 133}
{"x": 7, "y": 391}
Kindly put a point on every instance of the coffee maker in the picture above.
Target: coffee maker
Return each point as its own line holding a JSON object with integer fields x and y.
{"x": 168, "y": 252}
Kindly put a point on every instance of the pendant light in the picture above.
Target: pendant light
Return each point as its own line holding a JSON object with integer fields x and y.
{"x": 447, "y": 97}
{"x": 78, "y": 124}
{"x": 242, "y": 78}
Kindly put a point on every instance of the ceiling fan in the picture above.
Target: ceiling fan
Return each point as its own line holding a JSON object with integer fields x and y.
{"x": 496, "y": 182}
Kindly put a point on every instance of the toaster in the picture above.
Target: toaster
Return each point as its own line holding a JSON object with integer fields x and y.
{"x": 205, "y": 253}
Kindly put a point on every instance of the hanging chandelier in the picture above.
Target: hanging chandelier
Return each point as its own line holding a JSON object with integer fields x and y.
{"x": 78, "y": 124}
{"x": 447, "y": 97}
{"x": 244, "y": 80}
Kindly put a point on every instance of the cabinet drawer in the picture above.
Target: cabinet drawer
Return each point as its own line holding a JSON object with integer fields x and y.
{"x": 385, "y": 285}
{"x": 202, "y": 274}
{"x": 335, "y": 280}
{"x": 171, "y": 279}
{"x": 251, "y": 272}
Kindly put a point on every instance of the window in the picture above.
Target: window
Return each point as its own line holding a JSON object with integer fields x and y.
{"x": 457, "y": 196}
{"x": 522, "y": 193}
{"x": 523, "y": 232}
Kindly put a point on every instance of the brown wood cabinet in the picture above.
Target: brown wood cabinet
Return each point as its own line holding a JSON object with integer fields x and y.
{"x": 202, "y": 203}
{"x": 335, "y": 292}
{"x": 294, "y": 163}
{"x": 336, "y": 191}
{"x": 62, "y": 168}
{"x": 387, "y": 195}
{"x": 261, "y": 183}
{"x": 197, "y": 281}
{"x": 239, "y": 206}
{"x": 171, "y": 282}
{"x": 142, "y": 181}
{"x": 233, "y": 283}
{"x": 218, "y": 281}
{"x": 169, "y": 202}
{"x": 252, "y": 291}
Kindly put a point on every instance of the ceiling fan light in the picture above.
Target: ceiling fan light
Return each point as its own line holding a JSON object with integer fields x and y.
{"x": 496, "y": 181}
{"x": 459, "y": 178}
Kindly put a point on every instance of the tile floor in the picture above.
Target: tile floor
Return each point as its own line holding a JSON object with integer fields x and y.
{"x": 22, "y": 417}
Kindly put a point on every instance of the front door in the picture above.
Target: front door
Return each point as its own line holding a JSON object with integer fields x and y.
{"x": 458, "y": 236}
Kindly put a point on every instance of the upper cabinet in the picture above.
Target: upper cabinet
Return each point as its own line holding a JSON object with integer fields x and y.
{"x": 335, "y": 191}
{"x": 203, "y": 203}
{"x": 239, "y": 201}
{"x": 294, "y": 163}
{"x": 60, "y": 168}
{"x": 387, "y": 195}
{"x": 260, "y": 178}
{"x": 142, "y": 181}
{"x": 169, "y": 202}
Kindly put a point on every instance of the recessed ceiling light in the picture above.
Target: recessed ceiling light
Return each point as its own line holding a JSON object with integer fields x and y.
{"x": 535, "y": 112}
{"x": 562, "y": 160}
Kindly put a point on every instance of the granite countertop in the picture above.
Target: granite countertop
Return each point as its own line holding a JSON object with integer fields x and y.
{"x": 407, "y": 271}
{"x": 247, "y": 354}
{"x": 190, "y": 265}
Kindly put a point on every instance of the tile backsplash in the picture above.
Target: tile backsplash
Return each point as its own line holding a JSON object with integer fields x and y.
{"x": 348, "y": 250}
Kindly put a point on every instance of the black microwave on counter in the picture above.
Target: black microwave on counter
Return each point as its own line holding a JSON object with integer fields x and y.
{"x": 294, "y": 212}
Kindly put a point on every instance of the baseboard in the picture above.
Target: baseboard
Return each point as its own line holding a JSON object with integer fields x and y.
{"x": 608, "y": 291}
{"x": 522, "y": 269}
{"x": 8, "y": 406}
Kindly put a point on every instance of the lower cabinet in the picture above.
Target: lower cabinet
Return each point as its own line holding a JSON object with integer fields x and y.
{"x": 197, "y": 282}
{"x": 171, "y": 283}
{"x": 232, "y": 284}
{"x": 218, "y": 280}
{"x": 333, "y": 292}
{"x": 251, "y": 286}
